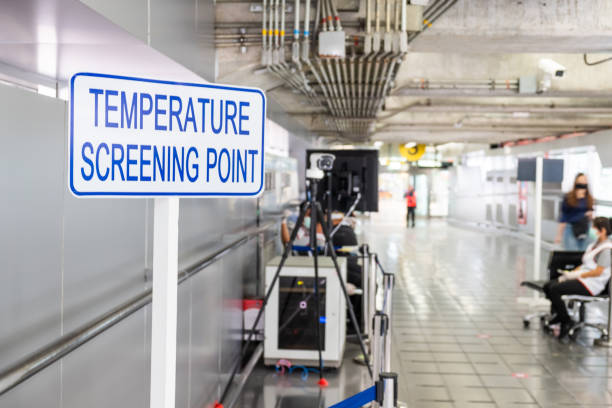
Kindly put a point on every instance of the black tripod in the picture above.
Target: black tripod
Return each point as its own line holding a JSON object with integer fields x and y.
{"x": 316, "y": 213}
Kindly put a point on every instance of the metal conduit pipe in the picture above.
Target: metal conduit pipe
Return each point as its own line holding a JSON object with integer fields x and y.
{"x": 306, "y": 52}
{"x": 296, "y": 53}
{"x": 317, "y": 18}
{"x": 254, "y": 25}
{"x": 336, "y": 15}
{"x": 338, "y": 79}
{"x": 278, "y": 65}
{"x": 372, "y": 60}
{"x": 306, "y": 55}
{"x": 434, "y": 8}
{"x": 403, "y": 16}
{"x": 347, "y": 86}
{"x": 297, "y": 76}
{"x": 264, "y": 34}
{"x": 354, "y": 86}
{"x": 326, "y": 67}
{"x": 381, "y": 77}
{"x": 444, "y": 8}
{"x": 245, "y": 374}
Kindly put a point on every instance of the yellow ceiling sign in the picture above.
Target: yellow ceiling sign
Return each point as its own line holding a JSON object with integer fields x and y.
{"x": 413, "y": 153}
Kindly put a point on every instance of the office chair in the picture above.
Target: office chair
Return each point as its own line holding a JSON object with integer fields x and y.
{"x": 582, "y": 302}
{"x": 558, "y": 260}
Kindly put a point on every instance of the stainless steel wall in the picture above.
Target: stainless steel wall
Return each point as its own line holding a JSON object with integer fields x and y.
{"x": 65, "y": 261}
{"x": 180, "y": 29}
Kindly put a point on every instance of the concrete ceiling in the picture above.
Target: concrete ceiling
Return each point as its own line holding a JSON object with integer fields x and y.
{"x": 474, "y": 42}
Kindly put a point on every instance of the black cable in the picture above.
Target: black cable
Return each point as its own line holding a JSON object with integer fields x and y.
{"x": 590, "y": 64}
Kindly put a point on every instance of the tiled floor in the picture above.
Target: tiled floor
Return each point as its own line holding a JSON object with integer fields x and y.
{"x": 458, "y": 334}
{"x": 457, "y": 329}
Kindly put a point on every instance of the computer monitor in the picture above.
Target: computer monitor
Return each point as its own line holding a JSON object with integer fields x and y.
{"x": 354, "y": 172}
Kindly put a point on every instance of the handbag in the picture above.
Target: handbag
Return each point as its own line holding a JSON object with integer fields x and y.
{"x": 581, "y": 228}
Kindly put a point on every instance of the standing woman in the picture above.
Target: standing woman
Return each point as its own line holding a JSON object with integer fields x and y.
{"x": 576, "y": 212}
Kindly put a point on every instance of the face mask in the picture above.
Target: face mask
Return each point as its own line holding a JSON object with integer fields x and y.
{"x": 581, "y": 186}
{"x": 307, "y": 222}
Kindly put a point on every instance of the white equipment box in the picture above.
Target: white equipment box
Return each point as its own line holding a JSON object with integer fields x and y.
{"x": 332, "y": 44}
{"x": 290, "y": 324}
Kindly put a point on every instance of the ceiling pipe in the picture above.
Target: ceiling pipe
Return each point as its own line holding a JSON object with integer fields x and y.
{"x": 535, "y": 109}
{"x": 481, "y": 92}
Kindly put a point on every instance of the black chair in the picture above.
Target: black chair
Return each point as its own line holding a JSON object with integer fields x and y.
{"x": 558, "y": 260}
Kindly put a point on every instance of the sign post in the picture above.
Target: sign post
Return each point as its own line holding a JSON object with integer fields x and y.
{"x": 135, "y": 137}
{"x": 164, "y": 304}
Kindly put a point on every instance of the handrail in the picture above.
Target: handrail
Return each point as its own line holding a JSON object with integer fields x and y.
{"x": 31, "y": 364}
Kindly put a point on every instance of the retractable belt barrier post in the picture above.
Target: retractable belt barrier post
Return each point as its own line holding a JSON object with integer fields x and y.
{"x": 383, "y": 393}
{"x": 380, "y": 326}
{"x": 371, "y": 310}
{"x": 388, "y": 284}
{"x": 365, "y": 298}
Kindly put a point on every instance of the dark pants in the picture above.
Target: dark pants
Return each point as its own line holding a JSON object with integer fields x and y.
{"x": 410, "y": 214}
{"x": 555, "y": 289}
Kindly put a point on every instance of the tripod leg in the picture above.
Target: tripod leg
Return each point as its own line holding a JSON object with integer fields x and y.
{"x": 286, "y": 252}
{"x": 317, "y": 307}
{"x": 315, "y": 252}
{"x": 349, "y": 305}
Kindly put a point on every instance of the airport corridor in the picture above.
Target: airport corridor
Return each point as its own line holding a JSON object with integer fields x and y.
{"x": 458, "y": 336}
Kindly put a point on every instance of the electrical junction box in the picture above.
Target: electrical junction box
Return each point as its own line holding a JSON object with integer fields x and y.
{"x": 528, "y": 84}
{"x": 291, "y": 319}
{"x": 414, "y": 17}
{"x": 332, "y": 44}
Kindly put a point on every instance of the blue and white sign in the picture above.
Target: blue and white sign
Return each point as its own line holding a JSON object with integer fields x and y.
{"x": 142, "y": 137}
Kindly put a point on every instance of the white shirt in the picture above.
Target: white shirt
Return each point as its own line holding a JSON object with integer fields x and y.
{"x": 594, "y": 256}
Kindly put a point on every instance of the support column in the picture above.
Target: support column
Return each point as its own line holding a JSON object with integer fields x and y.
{"x": 537, "y": 231}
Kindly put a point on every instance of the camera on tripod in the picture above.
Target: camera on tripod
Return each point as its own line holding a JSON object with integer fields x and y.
{"x": 347, "y": 178}
{"x": 319, "y": 164}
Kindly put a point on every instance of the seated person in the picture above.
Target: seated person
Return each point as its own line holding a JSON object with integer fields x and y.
{"x": 303, "y": 236}
{"x": 589, "y": 279}
{"x": 345, "y": 236}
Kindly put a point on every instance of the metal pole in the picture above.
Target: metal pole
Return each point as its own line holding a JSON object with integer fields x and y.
{"x": 164, "y": 307}
{"x": 371, "y": 291}
{"x": 388, "y": 285}
{"x": 245, "y": 374}
{"x": 365, "y": 283}
{"x": 376, "y": 345}
{"x": 537, "y": 234}
{"x": 390, "y": 389}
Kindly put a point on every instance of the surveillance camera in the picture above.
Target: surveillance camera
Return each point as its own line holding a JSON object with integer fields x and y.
{"x": 319, "y": 163}
{"x": 548, "y": 70}
{"x": 552, "y": 68}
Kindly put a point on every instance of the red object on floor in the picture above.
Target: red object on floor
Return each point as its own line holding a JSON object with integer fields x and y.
{"x": 217, "y": 405}
{"x": 323, "y": 383}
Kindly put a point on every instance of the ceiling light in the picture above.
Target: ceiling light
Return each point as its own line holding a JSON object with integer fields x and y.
{"x": 378, "y": 143}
